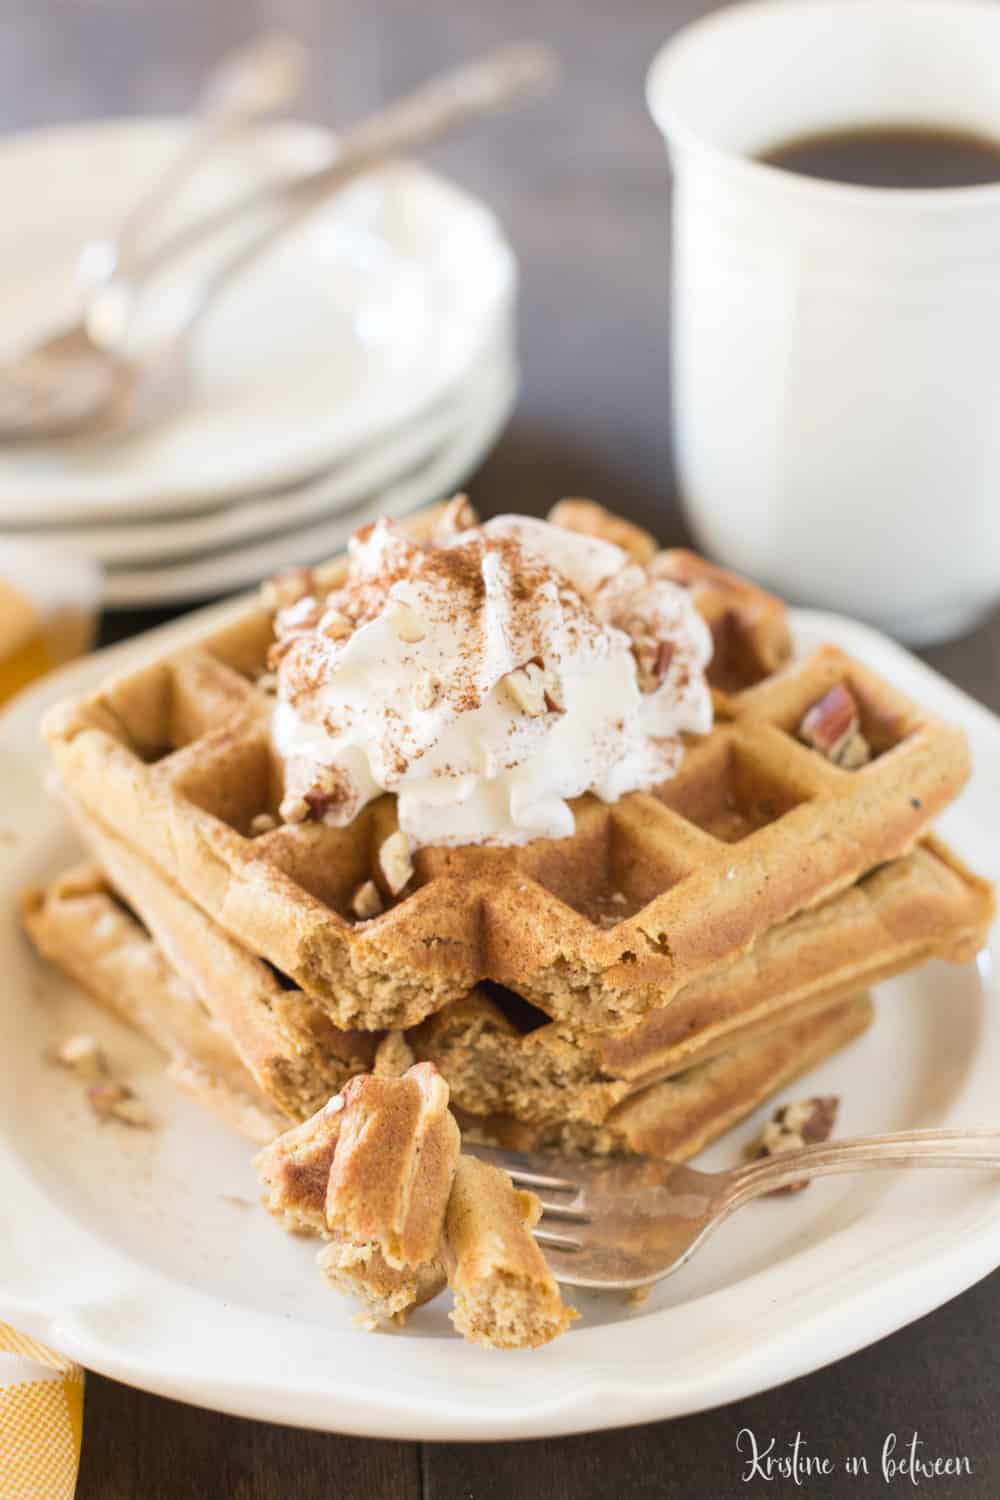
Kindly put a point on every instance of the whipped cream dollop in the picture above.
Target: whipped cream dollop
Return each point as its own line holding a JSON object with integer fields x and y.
{"x": 485, "y": 678}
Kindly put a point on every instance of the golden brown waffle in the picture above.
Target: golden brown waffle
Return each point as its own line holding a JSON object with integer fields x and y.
{"x": 76, "y": 923}
{"x": 356, "y": 1174}
{"x": 497, "y": 1058}
{"x": 377, "y": 1172}
{"x": 599, "y": 928}
{"x": 489, "y": 1045}
{"x": 679, "y": 1116}
{"x": 394, "y": 1164}
{"x": 505, "y": 1295}
{"x": 386, "y": 1293}
{"x": 286, "y": 1041}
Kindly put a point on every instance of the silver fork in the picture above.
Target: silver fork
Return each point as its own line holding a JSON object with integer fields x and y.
{"x": 618, "y": 1224}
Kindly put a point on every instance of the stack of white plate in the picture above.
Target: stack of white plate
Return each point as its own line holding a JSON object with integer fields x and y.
{"x": 364, "y": 367}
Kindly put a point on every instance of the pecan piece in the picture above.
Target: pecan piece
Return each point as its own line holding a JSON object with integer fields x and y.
{"x": 315, "y": 791}
{"x": 426, "y": 690}
{"x": 395, "y": 859}
{"x": 331, "y": 793}
{"x": 82, "y": 1055}
{"x": 286, "y": 589}
{"x": 807, "y": 1122}
{"x": 832, "y": 727}
{"x": 458, "y": 515}
{"x": 366, "y": 901}
{"x": 116, "y": 1101}
{"x": 408, "y": 625}
{"x": 652, "y": 662}
{"x": 335, "y": 625}
{"x": 533, "y": 689}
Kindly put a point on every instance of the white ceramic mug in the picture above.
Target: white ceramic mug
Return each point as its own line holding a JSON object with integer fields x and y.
{"x": 836, "y": 349}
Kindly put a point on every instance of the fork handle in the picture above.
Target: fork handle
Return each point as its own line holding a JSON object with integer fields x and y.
{"x": 906, "y": 1148}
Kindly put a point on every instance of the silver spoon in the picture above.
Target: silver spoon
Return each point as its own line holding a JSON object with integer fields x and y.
{"x": 247, "y": 86}
{"x": 107, "y": 393}
{"x": 52, "y": 388}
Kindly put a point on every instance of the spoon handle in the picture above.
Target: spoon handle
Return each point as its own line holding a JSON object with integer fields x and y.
{"x": 245, "y": 87}
{"x": 436, "y": 109}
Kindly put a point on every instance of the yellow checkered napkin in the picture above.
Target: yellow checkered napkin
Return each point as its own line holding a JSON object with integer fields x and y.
{"x": 41, "y": 1420}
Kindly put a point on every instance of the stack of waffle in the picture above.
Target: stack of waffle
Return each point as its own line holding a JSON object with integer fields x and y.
{"x": 638, "y": 986}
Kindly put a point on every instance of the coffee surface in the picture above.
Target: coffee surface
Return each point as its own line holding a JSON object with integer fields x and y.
{"x": 911, "y": 156}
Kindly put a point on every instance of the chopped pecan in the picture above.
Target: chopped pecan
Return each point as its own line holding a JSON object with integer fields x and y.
{"x": 426, "y": 690}
{"x": 832, "y": 726}
{"x": 652, "y": 662}
{"x": 116, "y": 1101}
{"x": 299, "y": 617}
{"x": 408, "y": 625}
{"x": 458, "y": 515}
{"x": 286, "y": 589}
{"x": 534, "y": 689}
{"x": 314, "y": 791}
{"x": 82, "y": 1055}
{"x": 293, "y": 809}
{"x": 366, "y": 901}
{"x": 331, "y": 790}
{"x": 807, "y": 1122}
{"x": 335, "y": 625}
{"x": 397, "y": 864}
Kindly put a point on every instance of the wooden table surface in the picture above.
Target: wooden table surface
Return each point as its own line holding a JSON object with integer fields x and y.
{"x": 580, "y": 182}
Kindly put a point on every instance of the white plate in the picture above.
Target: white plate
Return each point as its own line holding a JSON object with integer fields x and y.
{"x": 398, "y": 451}
{"x": 367, "y": 315}
{"x": 127, "y": 1251}
{"x": 476, "y": 423}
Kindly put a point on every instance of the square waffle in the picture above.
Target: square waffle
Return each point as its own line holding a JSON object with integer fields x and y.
{"x": 78, "y": 924}
{"x": 224, "y": 1015}
{"x": 679, "y": 1116}
{"x": 501, "y": 1056}
{"x": 147, "y": 954}
{"x": 598, "y": 929}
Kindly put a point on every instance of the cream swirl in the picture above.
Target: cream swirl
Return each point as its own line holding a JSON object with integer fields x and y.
{"x": 486, "y": 679}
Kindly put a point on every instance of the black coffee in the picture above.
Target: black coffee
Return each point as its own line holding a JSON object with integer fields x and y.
{"x": 906, "y": 156}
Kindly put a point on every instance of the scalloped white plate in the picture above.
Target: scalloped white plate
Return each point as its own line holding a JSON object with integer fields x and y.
{"x": 373, "y": 310}
{"x": 146, "y": 1257}
{"x": 400, "y": 451}
{"x": 472, "y": 426}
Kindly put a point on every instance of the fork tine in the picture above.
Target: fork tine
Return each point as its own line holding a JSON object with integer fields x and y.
{"x": 520, "y": 1168}
{"x": 572, "y": 1212}
{"x": 536, "y": 1180}
{"x": 555, "y": 1241}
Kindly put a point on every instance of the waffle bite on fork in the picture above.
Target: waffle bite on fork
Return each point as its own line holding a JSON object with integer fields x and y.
{"x": 532, "y": 820}
{"x": 377, "y": 1172}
